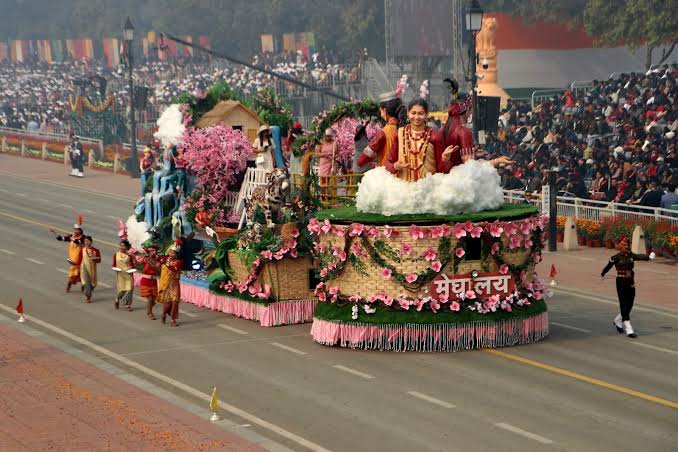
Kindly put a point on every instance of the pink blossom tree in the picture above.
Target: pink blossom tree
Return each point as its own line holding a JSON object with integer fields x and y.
{"x": 344, "y": 130}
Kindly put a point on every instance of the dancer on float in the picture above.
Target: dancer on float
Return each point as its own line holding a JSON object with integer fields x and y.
{"x": 74, "y": 259}
{"x": 394, "y": 115}
{"x": 88, "y": 267}
{"x": 169, "y": 292}
{"x": 148, "y": 286}
{"x": 123, "y": 266}
{"x": 626, "y": 287}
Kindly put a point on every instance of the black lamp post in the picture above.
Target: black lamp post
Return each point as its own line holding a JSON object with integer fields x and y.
{"x": 128, "y": 35}
{"x": 474, "y": 22}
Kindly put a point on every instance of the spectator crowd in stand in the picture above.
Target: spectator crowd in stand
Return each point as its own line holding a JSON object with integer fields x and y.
{"x": 614, "y": 142}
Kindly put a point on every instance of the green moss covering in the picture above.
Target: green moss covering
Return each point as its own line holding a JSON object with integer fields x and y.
{"x": 350, "y": 214}
{"x": 329, "y": 311}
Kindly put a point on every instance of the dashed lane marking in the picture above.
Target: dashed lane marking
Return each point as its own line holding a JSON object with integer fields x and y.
{"x": 112, "y": 217}
{"x": 154, "y": 375}
{"x": 23, "y": 195}
{"x": 357, "y": 373}
{"x": 230, "y": 328}
{"x": 68, "y": 206}
{"x": 430, "y": 399}
{"x": 570, "y": 327}
{"x": 654, "y": 347}
{"x": 289, "y": 349}
{"x": 525, "y": 433}
{"x": 105, "y": 286}
{"x": 11, "y": 253}
{"x": 35, "y": 261}
{"x": 89, "y": 211}
{"x": 61, "y": 270}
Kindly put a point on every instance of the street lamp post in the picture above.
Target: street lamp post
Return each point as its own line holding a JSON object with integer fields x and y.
{"x": 474, "y": 22}
{"x": 134, "y": 158}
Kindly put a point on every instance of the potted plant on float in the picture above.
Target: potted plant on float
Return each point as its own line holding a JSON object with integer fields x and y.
{"x": 560, "y": 228}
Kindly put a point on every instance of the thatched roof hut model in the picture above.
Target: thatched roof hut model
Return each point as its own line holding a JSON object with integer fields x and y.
{"x": 233, "y": 114}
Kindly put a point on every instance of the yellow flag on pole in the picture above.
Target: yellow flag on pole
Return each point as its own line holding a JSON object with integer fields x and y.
{"x": 214, "y": 405}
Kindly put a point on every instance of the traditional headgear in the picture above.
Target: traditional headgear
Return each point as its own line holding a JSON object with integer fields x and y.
{"x": 385, "y": 97}
{"x": 461, "y": 106}
{"x": 78, "y": 224}
{"x": 624, "y": 242}
{"x": 262, "y": 128}
{"x": 176, "y": 247}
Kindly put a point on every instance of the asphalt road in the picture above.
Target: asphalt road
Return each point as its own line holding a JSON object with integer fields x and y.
{"x": 585, "y": 388}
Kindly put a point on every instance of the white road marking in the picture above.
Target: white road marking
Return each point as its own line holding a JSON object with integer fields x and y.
{"x": 105, "y": 286}
{"x": 4, "y": 190}
{"x": 188, "y": 314}
{"x": 289, "y": 349}
{"x": 177, "y": 384}
{"x": 11, "y": 253}
{"x": 354, "y": 372}
{"x": 570, "y": 327}
{"x": 614, "y": 303}
{"x": 230, "y": 328}
{"x": 68, "y": 206}
{"x": 64, "y": 271}
{"x": 112, "y": 217}
{"x": 35, "y": 261}
{"x": 88, "y": 211}
{"x": 23, "y": 195}
{"x": 433, "y": 400}
{"x": 654, "y": 347}
{"x": 242, "y": 426}
{"x": 521, "y": 432}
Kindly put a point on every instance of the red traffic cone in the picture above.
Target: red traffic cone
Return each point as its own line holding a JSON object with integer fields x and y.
{"x": 20, "y": 311}
{"x": 553, "y": 275}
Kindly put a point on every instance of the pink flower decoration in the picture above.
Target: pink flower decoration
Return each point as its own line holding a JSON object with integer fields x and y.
{"x": 434, "y": 305}
{"x": 477, "y": 230}
{"x": 455, "y": 306}
{"x": 294, "y": 254}
{"x": 496, "y": 229}
{"x": 387, "y": 232}
{"x": 515, "y": 241}
{"x": 265, "y": 293}
{"x": 267, "y": 255}
{"x": 447, "y": 230}
{"x": 326, "y": 227}
{"x": 388, "y": 301}
{"x": 356, "y": 230}
{"x": 354, "y": 298}
{"x": 459, "y": 252}
{"x": 295, "y": 233}
{"x": 468, "y": 226}
{"x": 339, "y": 231}
{"x": 342, "y": 256}
{"x": 331, "y": 266}
{"x": 411, "y": 277}
{"x": 416, "y": 232}
{"x": 404, "y": 304}
{"x": 320, "y": 247}
{"x": 419, "y": 303}
{"x": 504, "y": 269}
{"x": 429, "y": 255}
{"x": 334, "y": 290}
{"x": 470, "y": 295}
{"x": 528, "y": 243}
{"x": 436, "y": 266}
{"x": 526, "y": 227}
{"x": 313, "y": 226}
{"x": 406, "y": 248}
{"x": 322, "y": 296}
{"x": 523, "y": 275}
{"x": 373, "y": 233}
{"x": 242, "y": 288}
{"x": 459, "y": 231}
{"x": 277, "y": 256}
{"x": 254, "y": 289}
{"x": 386, "y": 273}
{"x": 324, "y": 272}
{"x": 443, "y": 298}
{"x": 510, "y": 229}
{"x": 495, "y": 248}
{"x": 437, "y": 232}
{"x": 537, "y": 295}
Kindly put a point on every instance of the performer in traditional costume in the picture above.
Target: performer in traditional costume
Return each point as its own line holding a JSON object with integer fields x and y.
{"x": 394, "y": 114}
{"x": 88, "y": 267}
{"x": 626, "y": 287}
{"x": 75, "y": 244}
{"x": 264, "y": 148}
{"x": 124, "y": 268}
{"x": 148, "y": 286}
{"x": 169, "y": 292}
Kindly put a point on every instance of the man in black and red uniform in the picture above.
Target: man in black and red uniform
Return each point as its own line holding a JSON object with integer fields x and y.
{"x": 626, "y": 287}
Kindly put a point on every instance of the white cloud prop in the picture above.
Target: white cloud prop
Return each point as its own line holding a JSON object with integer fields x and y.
{"x": 468, "y": 188}
{"x": 137, "y": 232}
{"x": 170, "y": 125}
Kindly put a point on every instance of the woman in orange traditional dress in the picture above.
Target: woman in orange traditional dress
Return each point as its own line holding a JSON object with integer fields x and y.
{"x": 75, "y": 244}
{"x": 88, "y": 267}
{"x": 394, "y": 114}
{"x": 124, "y": 267}
{"x": 169, "y": 293}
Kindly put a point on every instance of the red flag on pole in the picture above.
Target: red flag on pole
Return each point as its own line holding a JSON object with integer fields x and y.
{"x": 553, "y": 271}
{"x": 20, "y": 307}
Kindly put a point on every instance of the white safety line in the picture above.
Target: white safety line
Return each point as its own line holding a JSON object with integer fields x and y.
{"x": 570, "y": 327}
{"x": 66, "y": 272}
{"x": 610, "y": 302}
{"x": 68, "y": 206}
{"x": 289, "y": 349}
{"x": 654, "y": 347}
{"x": 357, "y": 373}
{"x": 433, "y": 400}
{"x": 11, "y": 253}
{"x": 35, "y": 261}
{"x": 23, "y": 195}
{"x": 89, "y": 211}
{"x": 230, "y": 328}
{"x": 105, "y": 286}
{"x": 4, "y": 190}
{"x": 177, "y": 384}
{"x": 112, "y": 217}
{"x": 526, "y": 434}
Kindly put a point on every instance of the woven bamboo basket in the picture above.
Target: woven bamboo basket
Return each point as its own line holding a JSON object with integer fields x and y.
{"x": 288, "y": 278}
{"x": 353, "y": 282}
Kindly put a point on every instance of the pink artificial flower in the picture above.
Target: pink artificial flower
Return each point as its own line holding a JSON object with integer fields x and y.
{"x": 447, "y": 230}
{"x": 342, "y": 256}
{"x": 356, "y": 230}
{"x": 496, "y": 229}
{"x": 459, "y": 231}
{"x": 373, "y": 232}
{"x": 388, "y": 231}
{"x": 506, "y": 306}
{"x": 334, "y": 291}
{"x": 323, "y": 273}
{"x": 294, "y": 254}
{"x": 504, "y": 269}
{"x": 455, "y": 306}
{"x": 436, "y": 266}
{"x": 386, "y": 272}
{"x": 267, "y": 254}
{"x": 416, "y": 232}
{"x": 406, "y": 249}
{"x": 322, "y": 296}
{"x": 278, "y": 255}
{"x": 419, "y": 303}
{"x": 295, "y": 233}
{"x": 326, "y": 227}
{"x": 526, "y": 227}
{"x": 320, "y": 247}
{"x": 411, "y": 277}
{"x": 510, "y": 229}
{"x": 388, "y": 301}
{"x": 470, "y": 295}
{"x": 429, "y": 255}
{"x": 354, "y": 298}
{"x": 515, "y": 241}
{"x": 468, "y": 226}
{"x": 539, "y": 285}
{"x": 495, "y": 248}
{"x": 459, "y": 252}
{"x": 528, "y": 243}
{"x": 434, "y": 305}
{"x": 371, "y": 299}
{"x": 523, "y": 275}
{"x": 437, "y": 232}
{"x": 331, "y": 266}
{"x": 339, "y": 231}
{"x": 404, "y": 304}
{"x": 476, "y": 231}
{"x": 242, "y": 288}
{"x": 313, "y": 226}
{"x": 537, "y": 295}
{"x": 265, "y": 293}
{"x": 443, "y": 298}
{"x": 254, "y": 289}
